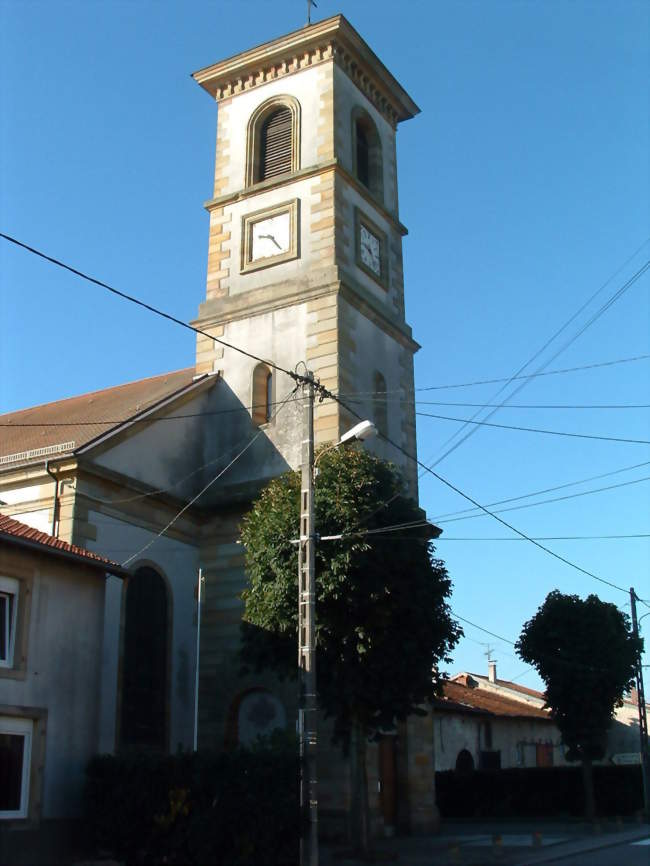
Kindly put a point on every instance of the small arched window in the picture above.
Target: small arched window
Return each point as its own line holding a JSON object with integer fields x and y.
{"x": 380, "y": 402}
{"x": 273, "y": 147}
{"x": 366, "y": 153}
{"x": 262, "y": 394}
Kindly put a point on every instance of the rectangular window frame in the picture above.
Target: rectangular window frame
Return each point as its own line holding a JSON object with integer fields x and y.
{"x": 11, "y": 570}
{"x": 9, "y": 605}
{"x": 25, "y": 728}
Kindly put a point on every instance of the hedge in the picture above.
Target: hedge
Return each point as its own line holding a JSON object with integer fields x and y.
{"x": 238, "y": 808}
{"x": 537, "y": 792}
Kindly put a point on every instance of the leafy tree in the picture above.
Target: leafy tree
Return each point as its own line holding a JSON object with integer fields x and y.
{"x": 585, "y": 653}
{"x": 383, "y": 623}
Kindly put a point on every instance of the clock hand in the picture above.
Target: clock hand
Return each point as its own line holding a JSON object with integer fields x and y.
{"x": 271, "y": 238}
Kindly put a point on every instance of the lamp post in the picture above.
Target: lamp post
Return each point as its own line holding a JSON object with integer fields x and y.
{"x": 307, "y": 718}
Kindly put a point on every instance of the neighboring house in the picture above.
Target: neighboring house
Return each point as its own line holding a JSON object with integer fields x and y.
{"x": 304, "y": 265}
{"x": 478, "y": 728}
{"x": 55, "y": 670}
{"x": 484, "y": 722}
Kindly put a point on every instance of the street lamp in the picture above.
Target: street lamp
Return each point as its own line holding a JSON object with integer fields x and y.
{"x": 307, "y": 719}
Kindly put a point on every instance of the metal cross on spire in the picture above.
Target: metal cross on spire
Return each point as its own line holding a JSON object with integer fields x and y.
{"x": 310, "y": 3}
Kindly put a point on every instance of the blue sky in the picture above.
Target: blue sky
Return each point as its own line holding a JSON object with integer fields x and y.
{"x": 524, "y": 185}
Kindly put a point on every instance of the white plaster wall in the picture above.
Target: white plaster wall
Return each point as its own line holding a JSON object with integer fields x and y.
{"x": 178, "y": 564}
{"x": 27, "y": 493}
{"x": 452, "y": 733}
{"x": 292, "y": 271}
{"x": 64, "y": 677}
{"x": 40, "y": 518}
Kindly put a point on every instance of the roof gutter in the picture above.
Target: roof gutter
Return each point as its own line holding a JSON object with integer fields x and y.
{"x": 96, "y": 565}
{"x": 55, "y": 506}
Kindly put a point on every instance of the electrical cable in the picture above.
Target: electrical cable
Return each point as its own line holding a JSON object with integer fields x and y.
{"x": 350, "y": 394}
{"x": 595, "y": 316}
{"x": 207, "y": 487}
{"x": 535, "y": 430}
{"x": 545, "y": 490}
{"x": 536, "y": 406}
{"x": 295, "y": 376}
{"x": 324, "y": 392}
{"x": 547, "y": 501}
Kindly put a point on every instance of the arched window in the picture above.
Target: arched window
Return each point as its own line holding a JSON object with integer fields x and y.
{"x": 380, "y": 402}
{"x": 273, "y": 146}
{"x": 144, "y": 676}
{"x": 366, "y": 153}
{"x": 464, "y": 762}
{"x": 262, "y": 401}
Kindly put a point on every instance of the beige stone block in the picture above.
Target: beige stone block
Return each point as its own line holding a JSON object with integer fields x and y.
{"x": 321, "y": 358}
{"x": 203, "y": 367}
{"x": 327, "y": 408}
{"x": 324, "y": 372}
{"x": 323, "y": 324}
{"x": 322, "y": 303}
{"x": 322, "y": 223}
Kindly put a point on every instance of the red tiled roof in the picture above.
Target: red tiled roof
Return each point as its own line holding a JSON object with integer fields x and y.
{"x": 508, "y": 684}
{"x": 79, "y": 420}
{"x": 13, "y": 531}
{"x": 462, "y": 698}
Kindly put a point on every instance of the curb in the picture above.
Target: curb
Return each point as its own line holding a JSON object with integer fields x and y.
{"x": 570, "y": 849}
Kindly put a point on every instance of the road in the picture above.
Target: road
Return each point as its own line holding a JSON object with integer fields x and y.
{"x": 627, "y": 854}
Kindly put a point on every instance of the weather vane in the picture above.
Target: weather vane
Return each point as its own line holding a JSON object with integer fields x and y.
{"x": 310, "y": 3}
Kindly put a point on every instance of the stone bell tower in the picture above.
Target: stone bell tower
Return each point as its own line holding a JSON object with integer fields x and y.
{"x": 305, "y": 247}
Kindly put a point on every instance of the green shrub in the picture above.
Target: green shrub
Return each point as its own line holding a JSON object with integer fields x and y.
{"x": 227, "y": 809}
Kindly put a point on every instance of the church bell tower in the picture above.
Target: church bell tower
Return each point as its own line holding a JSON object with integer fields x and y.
{"x": 305, "y": 245}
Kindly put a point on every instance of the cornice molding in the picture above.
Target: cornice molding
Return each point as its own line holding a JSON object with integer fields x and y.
{"x": 331, "y": 40}
{"x": 302, "y": 174}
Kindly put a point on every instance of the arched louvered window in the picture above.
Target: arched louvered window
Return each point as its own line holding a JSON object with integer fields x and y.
{"x": 273, "y": 146}
{"x": 262, "y": 394}
{"x": 366, "y": 150}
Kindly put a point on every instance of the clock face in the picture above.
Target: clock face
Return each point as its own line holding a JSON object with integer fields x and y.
{"x": 271, "y": 236}
{"x": 370, "y": 250}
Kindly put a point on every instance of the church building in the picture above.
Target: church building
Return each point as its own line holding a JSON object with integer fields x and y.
{"x": 304, "y": 269}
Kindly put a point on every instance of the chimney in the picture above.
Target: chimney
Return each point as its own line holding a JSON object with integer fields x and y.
{"x": 492, "y": 671}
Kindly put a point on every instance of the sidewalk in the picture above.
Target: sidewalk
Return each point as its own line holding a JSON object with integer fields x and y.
{"x": 480, "y": 844}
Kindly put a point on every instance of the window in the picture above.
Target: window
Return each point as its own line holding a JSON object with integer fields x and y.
{"x": 144, "y": 680}
{"x": 273, "y": 146}
{"x": 366, "y": 153}
{"x": 15, "y": 761}
{"x": 262, "y": 394}
{"x": 8, "y": 619}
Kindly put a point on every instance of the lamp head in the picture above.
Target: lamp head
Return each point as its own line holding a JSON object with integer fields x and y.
{"x": 360, "y": 432}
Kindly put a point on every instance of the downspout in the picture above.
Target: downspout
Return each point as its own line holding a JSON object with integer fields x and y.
{"x": 55, "y": 507}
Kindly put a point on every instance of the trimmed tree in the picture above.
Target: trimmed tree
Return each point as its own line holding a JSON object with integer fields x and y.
{"x": 584, "y": 651}
{"x": 383, "y": 622}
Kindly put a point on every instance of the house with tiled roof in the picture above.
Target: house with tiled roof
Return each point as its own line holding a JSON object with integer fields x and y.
{"x": 477, "y": 726}
{"x": 56, "y": 673}
{"x": 486, "y": 722}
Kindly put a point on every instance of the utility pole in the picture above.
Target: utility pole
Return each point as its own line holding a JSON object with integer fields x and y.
{"x": 643, "y": 722}
{"x": 307, "y": 721}
{"x": 198, "y": 657}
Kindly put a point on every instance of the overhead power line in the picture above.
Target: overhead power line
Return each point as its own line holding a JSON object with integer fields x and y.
{"x": 535, "y": 429}
{"x": 350, "y": 394}
{"x": 206, "y": 487}
{"x": 594, "y": 317}
{"x": 292, "y": 374}
{"x": 548, "y": 538}
{"x": 536, "y": 406}
{"x": 545, "y": 490}
{"x": 324, "y": 392}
